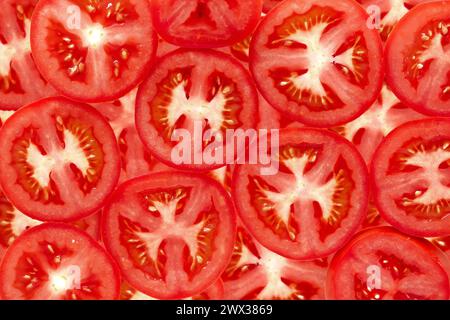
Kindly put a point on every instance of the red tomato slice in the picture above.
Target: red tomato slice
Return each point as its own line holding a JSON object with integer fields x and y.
{"x": 257, "y": 273}
{"x": 191, "y": 87}
{"x": 411, "y": 175}
{"x": 171, "y": 233}
{"x": 136, "y": 160}
{"x": 60, "y": 160}
{"x": 205, "y": 24}
{"x": 269, "y": 4}
{"x": 215, "y": 292}
{"x": 316, "y": 201}
{"x": 55, "y": 261}
{"x": 391, "y": 11}
{"x": 93, "y": 50}
{"x": 368, "y": 130}
{"x": 20, "y": 81}
{"x": 416, "y": 59}
{"x": 383, "y": 264}
{"x": 317, "y": 62}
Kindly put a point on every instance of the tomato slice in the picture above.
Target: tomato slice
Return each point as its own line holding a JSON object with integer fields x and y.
{"x": 215, "y": 292}
{"x": 93, "y": 51}
{"x": 191, "y": 88}
{"x": 20, "y": 81}
{"x": 416, "y": 59}
{"x": 390, "y": 12}
{"x": 135, "y": 159}
{"x": 60, "y": 160}
{"x": 205, "y": 24}
{"x": 257, "y": 273}
{"x": 171, "y": 233}
{"x": 383, "y": 264}
{"x": 316, "y": 201}
{"x": 317, "y": 62}
{"x": 368, "y": 130}
{"x": 55, "y": 261}
{"x": 411, "y": 175}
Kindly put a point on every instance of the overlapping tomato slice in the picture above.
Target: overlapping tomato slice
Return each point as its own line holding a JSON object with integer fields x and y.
{"x": 171, "y": 233}
{"x": 56, "y": 261}
{"x": 93, "y": 50}
{"x": 257, "y": 273}
{"x": 317, "y": 61}
{"x": 205, "y": 24}
{"x": 382, "y": 263}
{"x": 313, "y": 204}
{"x": 60, "y": 160}
{"x": 412, "y": 177}
{"x": 189, "y": 90}
{"x": 20, "y": 81}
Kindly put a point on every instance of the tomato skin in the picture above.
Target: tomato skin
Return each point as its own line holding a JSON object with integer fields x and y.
{"x": 400, "y": 44}
{"x": 373, "y": 235}
{"x": 55, "y": 212}
{"x": 202, "y": 38}
{"x": 36, "y": 233}
{"x": 294, "y": 110}
{"x": 142, "y": 280}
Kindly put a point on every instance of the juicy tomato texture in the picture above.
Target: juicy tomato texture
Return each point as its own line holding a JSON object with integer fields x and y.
{"x": 93, "y": 50}
{"x": 313, "y": 204}
{"x": 20, "y": 81}
{"x": 381, "y": 263}
{"x": 172, "y": 233}
{"x": 58, "y": 262}
{"x": 411, "y": 173}
{"x": 205, "y": 24}
{"x": 416, "y": 59}
{"x": 60, "y": 160}
{"x": 316, "y": 61}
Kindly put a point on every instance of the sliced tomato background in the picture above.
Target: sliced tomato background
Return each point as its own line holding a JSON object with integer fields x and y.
{"x": 417, "y": 66}
{"x": 93, "y": 51}
{"x": 60, "y": 160}
{"x": 20, "y": 81}
{"x": 205, "y": 24}
{"x": 187, "y": 87}
{"x": 171, "y": 233}
{"x": 317, "y": 61}
{"x": 56, "y": 261}
{"x": 257, "y": 273}
{"x": 316, "y": 201}
{"x": 409, "y": 268}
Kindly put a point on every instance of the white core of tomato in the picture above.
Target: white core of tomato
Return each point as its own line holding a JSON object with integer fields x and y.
{"x": 376, "y": 118}
{"x": 22, "y": 222}
{"x": 14, "y": 50}
{"x": 43, "y": 165}
{"x": 434, "y": 51}
{"x": 430, "y": 162}
{"x": 303, "y": 190}
{"x": 93, "y": 36}
{"x": 220, "y": 174}
{"x": 319, "y": 56}
{"x": 397, "y": 11}
{"x": 196, "y": 108}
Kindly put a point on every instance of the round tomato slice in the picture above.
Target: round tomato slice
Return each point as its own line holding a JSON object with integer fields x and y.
{"x": 417, "y": 67}
{"x": 411, "y": 175}
{"x": 383, "y": 264}
{"x": 20, "y": 81}
{"x": 54, "y": 262}
{"x": 171, "y": 233}
{"x": 93, "y": 51}
{"x": 194, "y": 90}
{"x": 314, "y": 203}
{"x": 316, "y": 61}
{"x": 387, "y": 13}
{"x": 135, "y": 159}
{"x": 205, "y": 24}
{"x": 60, "y": 160}
{"x": 257, "y": 273}
{"x": 368, "y": 130}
